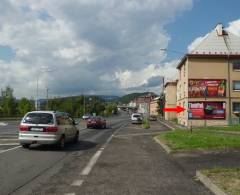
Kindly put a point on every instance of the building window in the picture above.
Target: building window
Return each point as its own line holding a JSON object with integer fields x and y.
{"x": 236, "y": 85}
{"x": 236, "y": 65}
{"x": 236, "y": 107}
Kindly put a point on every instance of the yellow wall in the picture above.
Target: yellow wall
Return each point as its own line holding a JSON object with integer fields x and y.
{"x": 170, "y": 101}
{"x": 154, "y": 107}
{"x": 205, "y": 68}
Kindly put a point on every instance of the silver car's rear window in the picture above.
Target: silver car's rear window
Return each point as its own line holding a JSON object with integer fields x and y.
{"x": 136, "y": 115}
{"x": 39, "y": 118}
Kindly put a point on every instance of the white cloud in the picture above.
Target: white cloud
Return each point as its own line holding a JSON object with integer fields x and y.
{"x": 234, "y": 27}
{"x": 196, "y": 42}
{"x": 133, "y": 79}
{"x": 92, "y": 46}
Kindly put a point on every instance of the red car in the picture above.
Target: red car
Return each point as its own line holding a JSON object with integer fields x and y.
{"x": 96, "y": 122}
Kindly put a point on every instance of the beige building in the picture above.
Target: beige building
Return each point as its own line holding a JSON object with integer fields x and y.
{"x": 170, "y": 99}
{"x": 154, "y": 106}
{"x": 209, "y": 81}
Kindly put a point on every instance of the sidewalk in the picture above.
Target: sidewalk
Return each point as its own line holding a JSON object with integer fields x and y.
{"x": 134, "y": 164}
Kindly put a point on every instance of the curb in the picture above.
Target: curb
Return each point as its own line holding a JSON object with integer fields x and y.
{"x": 168, "y": 150}
{"x": 209, "y": 184}
{"x": 164, "y": 146}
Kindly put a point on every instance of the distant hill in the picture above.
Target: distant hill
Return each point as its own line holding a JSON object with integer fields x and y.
{"x": 129, "y": 97}
{"x": 105, "y": 98}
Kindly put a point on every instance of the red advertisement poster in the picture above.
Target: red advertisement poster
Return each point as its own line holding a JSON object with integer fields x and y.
{"x": 207, "y": 110}
{"x": 206, "y": 88}
{"x": 196, "y": 110}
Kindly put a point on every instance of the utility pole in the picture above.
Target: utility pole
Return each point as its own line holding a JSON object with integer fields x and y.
{"x": 37, "y": 93}
{"x": 47, "y": 99}
{"x": 84, "y": 105}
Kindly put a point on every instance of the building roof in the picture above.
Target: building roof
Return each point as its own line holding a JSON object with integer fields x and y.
{"x": 173, "y": 83}
{"x": 217, "y": 43}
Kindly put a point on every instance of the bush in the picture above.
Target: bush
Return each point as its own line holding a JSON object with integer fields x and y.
{"x": 146, "y": 123}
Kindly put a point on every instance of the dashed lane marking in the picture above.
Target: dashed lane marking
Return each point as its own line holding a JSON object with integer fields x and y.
{"x": 77, "y": 183}
{"x": 7, "y": 139}
{"x": 92, "y": 162}
{"x": 3, "y": 151}
{"x": 9, "y": 144}
{"x": 96, "y": 156}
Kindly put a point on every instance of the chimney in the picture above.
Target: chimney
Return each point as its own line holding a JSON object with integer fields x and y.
{"x": 219, "y": 29}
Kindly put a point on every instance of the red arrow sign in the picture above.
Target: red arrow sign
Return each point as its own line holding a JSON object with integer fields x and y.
{"x": 178, "y": 109}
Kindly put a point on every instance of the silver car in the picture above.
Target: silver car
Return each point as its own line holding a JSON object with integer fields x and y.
{"x": 136, "y": 118}
{"x": 47, "y": 127}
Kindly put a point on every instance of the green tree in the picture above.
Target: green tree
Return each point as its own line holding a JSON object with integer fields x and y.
{"x": 9, "y": 103}
{"x": 25, "y": 106}
{"x": 161, "y": 104}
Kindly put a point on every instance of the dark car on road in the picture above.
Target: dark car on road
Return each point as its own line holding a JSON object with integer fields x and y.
{"x": 96, "y": 122}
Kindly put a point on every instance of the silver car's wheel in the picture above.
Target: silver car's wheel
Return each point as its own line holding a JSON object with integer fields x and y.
{"x": 25, "y": 145}
{"x": 61, "y": 143}
{"x": 76, "y": 136}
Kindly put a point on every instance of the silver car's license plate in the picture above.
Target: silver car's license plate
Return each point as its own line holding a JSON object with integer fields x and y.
{"x": 36, "y": 129}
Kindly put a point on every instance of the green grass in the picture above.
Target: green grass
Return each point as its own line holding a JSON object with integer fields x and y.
{"x": 227, "y": 179}
{"x": 227, "y": 128}
{"x": 215, "y": 170}
{"x": 146, "y": 123}
{"x": 199, "y": 139}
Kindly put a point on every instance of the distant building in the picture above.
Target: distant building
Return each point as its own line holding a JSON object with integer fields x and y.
{"x": 142, "y": 103}
{"x": 170, "y": 99}
{"x": 154, "y": 107}
{"x": 209, "y": 81}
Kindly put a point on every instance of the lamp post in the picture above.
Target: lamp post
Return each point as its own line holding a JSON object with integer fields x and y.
{"x": 38, "y": 74}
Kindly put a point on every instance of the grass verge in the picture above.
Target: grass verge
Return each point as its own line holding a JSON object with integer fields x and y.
{"x": 227, "y": 128}
{"x": 198, "y": 140}
{"x": 146, "y": 123}
{"x": 226, "y": 179}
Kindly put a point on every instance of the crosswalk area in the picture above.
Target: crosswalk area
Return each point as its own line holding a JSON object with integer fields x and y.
{"x": 8, "y": 141}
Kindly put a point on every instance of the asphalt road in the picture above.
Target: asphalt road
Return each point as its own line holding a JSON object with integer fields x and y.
{"x": 20, "y": 168}
{"x": 122, "y": 159}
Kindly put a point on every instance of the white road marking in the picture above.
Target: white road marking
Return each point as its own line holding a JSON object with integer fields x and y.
{"x": 172, "y": 128}
{"x": 3, "y": 151}
{"x": 9, "y": 144}
{"x": 77, "y": 183}
{"x": 92, "y": 162}
{"x": 96, "y": 156}
{"x": 7, "y": 139}
{"x": 3, "y": 124}
{"x": 70, "y": 194}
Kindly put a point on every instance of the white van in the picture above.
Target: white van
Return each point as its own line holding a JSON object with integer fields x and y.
{"x": 136, "y": 118}
{"x": 47, "y": 127}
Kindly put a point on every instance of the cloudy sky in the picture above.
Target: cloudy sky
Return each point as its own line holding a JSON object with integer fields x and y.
{"x": 109, "y": 47}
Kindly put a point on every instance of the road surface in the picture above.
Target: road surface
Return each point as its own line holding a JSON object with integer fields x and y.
{"x": 122, "y": 159}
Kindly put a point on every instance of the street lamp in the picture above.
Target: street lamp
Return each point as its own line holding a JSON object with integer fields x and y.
{"x": 38, "y": 74}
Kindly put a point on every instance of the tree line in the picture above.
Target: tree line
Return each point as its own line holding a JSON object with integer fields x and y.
{"x": 76, "y": 106}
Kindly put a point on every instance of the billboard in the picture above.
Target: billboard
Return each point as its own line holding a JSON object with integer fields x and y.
{"x": 206, "y": 88}
{"x": 206, "y": 110}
